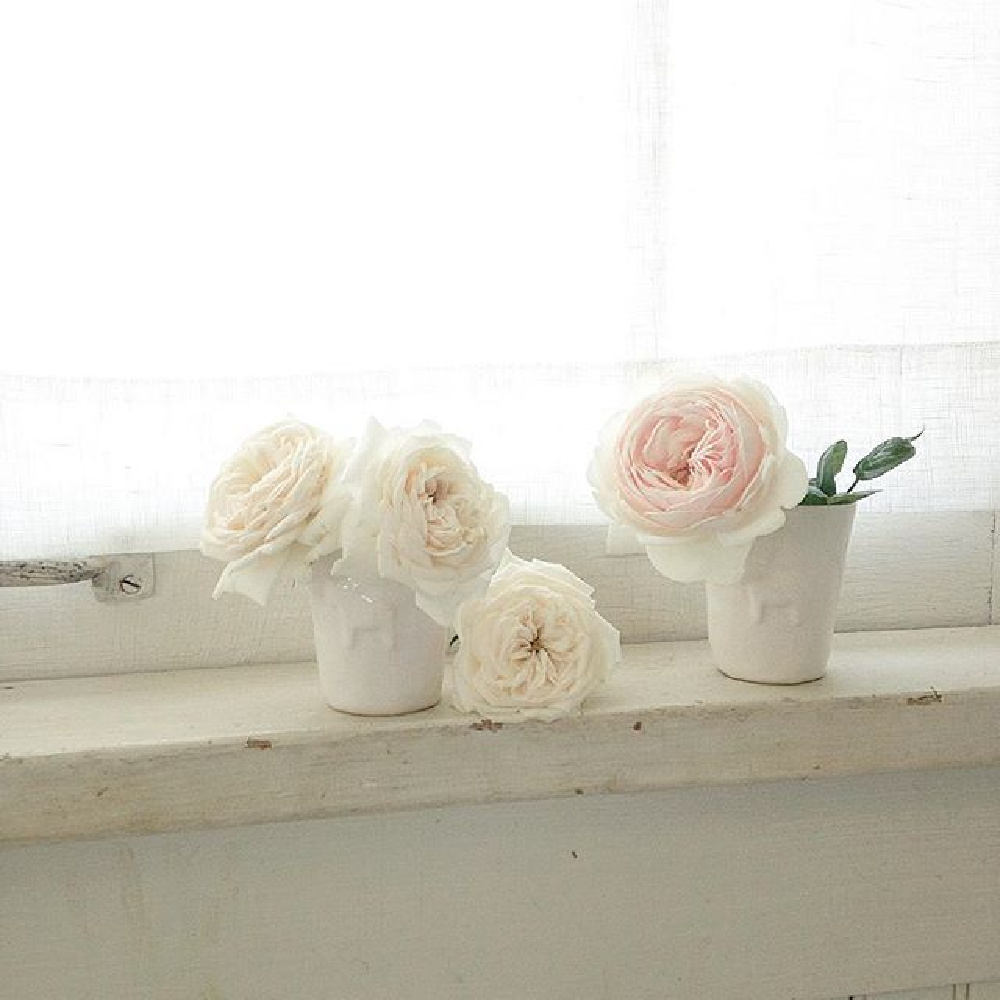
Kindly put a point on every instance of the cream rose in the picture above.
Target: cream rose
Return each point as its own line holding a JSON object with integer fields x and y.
{"x": 421, "y": 515}
{"x": 696, "y": 472}
{"x": 534, "y": 644}
{"x": 275, "y": 506}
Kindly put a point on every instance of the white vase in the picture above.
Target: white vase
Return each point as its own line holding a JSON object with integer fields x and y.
{"x": 775, "y": 626}
{"x": 377, "y": 652}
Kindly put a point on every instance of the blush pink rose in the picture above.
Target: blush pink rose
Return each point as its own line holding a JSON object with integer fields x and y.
{"x": 696, "y": 472}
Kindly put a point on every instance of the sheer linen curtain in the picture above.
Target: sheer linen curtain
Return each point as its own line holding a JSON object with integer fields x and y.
{"x": 509, "y": 218}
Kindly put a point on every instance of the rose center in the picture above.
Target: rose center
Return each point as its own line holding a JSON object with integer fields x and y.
{"x": 698, "y": 460}
{"x": 680, "y": 451}
{"x": 530, "y": 641}
{"x": 682, "y": 473}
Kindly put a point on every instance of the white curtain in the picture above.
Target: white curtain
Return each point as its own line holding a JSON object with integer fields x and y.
{"x": 508, "y": 218}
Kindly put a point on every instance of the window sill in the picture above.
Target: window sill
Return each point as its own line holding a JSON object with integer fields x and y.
{"x": 144, "y": 753}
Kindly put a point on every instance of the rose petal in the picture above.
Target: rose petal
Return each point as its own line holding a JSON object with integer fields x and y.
{"x": 623, "y": 541}
{"x": 787, "y": 488}
{"x": 254, "y": 576}
{"x": 703, "y": 558}
{"x": 791, "y": 481}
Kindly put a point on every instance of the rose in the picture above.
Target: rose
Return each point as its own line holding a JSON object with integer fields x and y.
{"x": 534, "y": 644}
{"x": 696, "y": 472}
{"x": 421, "y": 515}
{"x": 275, "y": 506}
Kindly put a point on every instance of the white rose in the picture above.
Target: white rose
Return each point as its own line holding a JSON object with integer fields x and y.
{"x": 696, "y": 472}
{"x": 275, "y": 506}
{"x": 422, "y": 516}
{"x": 534, "y": 644}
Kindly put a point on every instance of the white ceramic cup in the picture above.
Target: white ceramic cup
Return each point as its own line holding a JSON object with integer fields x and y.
{"x": 775, "y": 626}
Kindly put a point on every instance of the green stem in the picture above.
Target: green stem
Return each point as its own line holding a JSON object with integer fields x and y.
{"x": 855, "y": 483}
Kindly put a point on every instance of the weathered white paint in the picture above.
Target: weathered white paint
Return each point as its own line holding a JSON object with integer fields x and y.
{"x": 995, "y": 589}
{"x": 804, "y": 890}
{"x": 903, "y": 571}
{"x": 984, "y": 991}
{"x": 173, "y": 750}
{"x": 48, "y": 572}
{"x": 934, "y": 993}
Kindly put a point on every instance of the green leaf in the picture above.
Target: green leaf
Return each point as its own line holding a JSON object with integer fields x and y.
{"x": 844, "y": 498}
{"x": 815, "y": 497}
{"x": 885, "y": 457}
{"x": 830, "y": 463}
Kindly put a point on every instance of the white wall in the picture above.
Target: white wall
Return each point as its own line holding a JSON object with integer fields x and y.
{"x": 807, "y": 890}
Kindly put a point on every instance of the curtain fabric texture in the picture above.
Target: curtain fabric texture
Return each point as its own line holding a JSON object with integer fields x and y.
{"x": 511, "y": 220}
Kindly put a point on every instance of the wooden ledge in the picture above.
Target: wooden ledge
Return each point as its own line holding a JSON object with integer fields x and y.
{"x": 143, "y": 753}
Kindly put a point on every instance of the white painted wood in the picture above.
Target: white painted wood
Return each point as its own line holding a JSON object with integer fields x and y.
{"x": 641, "y": 604}
{"x": 48, "y": 572}
{"x": 995, "y": 591}
{"x": 175, "y": 750}
{"x": 62, "y": 631}
{"x": 889, "y": 563}
{"x": 801, "y": 890}
{"x": 934, "y": 993}
{"x": 917, "y": 570}
{"x": 903, "y": 571}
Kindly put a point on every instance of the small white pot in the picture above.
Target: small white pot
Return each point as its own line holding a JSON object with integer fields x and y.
{"x": 377, "y": 652}
{"x": 775, "y": 626}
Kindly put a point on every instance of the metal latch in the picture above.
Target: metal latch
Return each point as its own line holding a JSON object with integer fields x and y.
{"x": 115, "y": 579}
